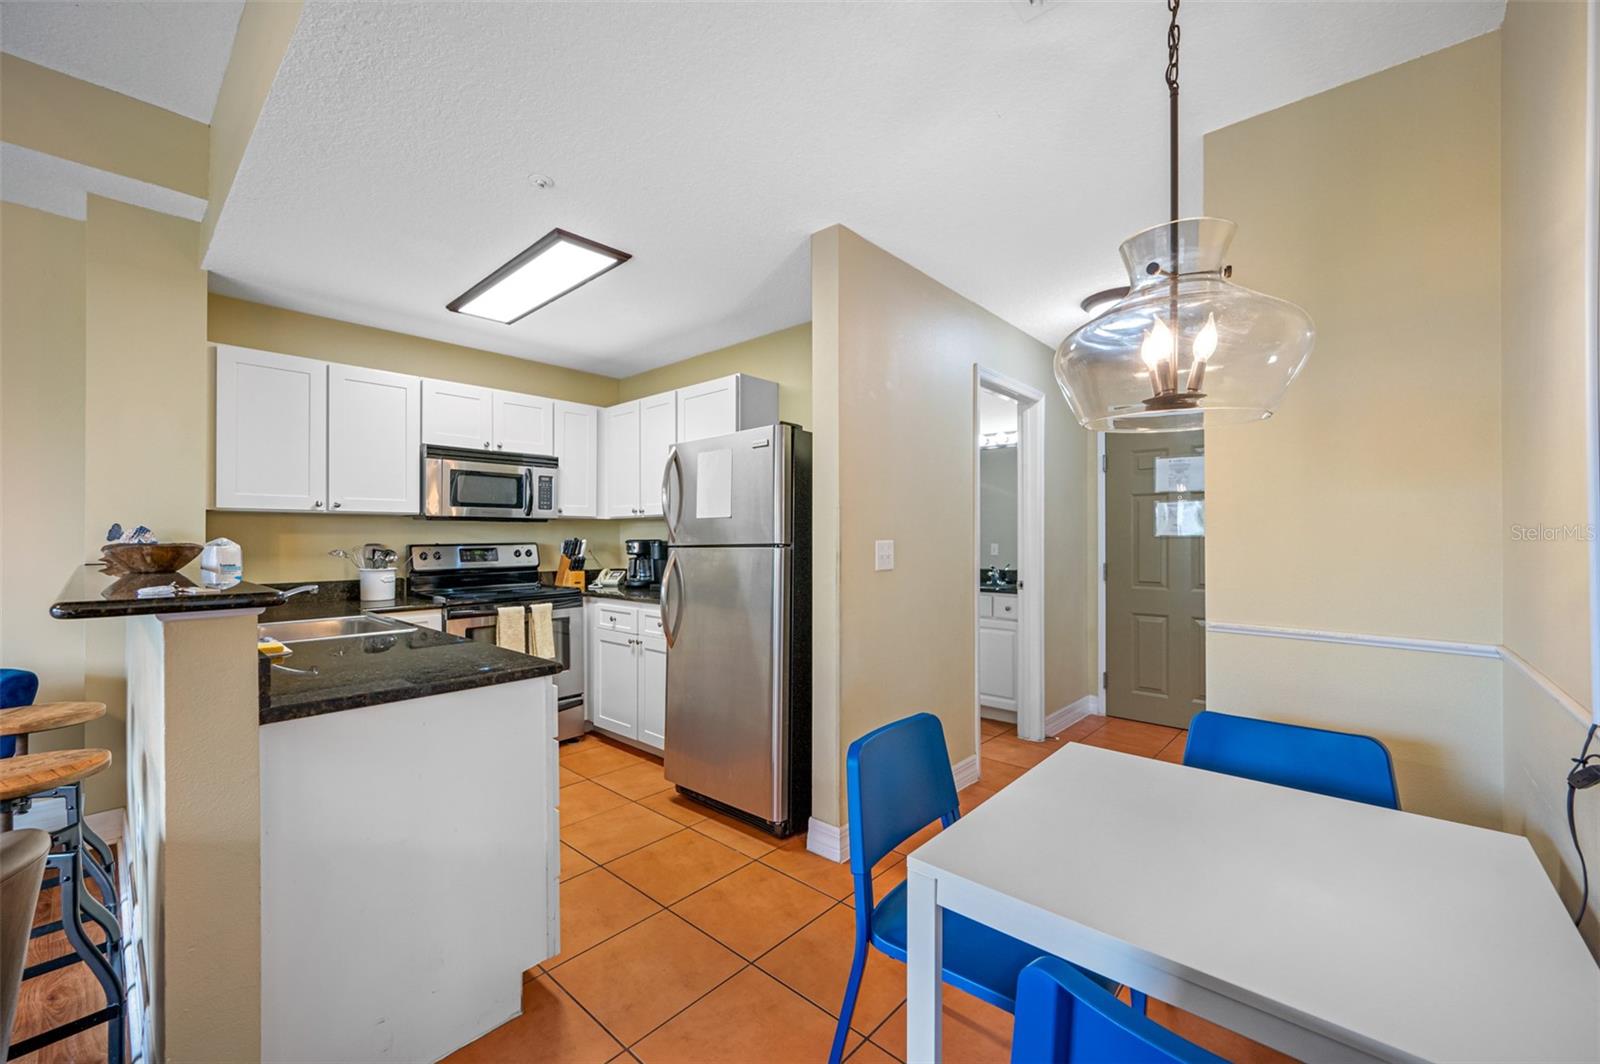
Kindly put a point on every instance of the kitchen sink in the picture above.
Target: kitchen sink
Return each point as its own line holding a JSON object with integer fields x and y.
{"x": 363, "y": 624}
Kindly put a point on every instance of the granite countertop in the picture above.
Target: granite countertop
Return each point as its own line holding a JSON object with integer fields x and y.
{"x": 328, "y": 675}
{"x": 650, "y": 595}
{"x": 991, "y": 589}
{"x": 341, "y": 598}
{"x": 92, "y": 592}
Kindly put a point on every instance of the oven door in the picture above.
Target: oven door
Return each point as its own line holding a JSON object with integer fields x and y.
{"x": 501, "y": 491}
{"x": 479, "y": 624}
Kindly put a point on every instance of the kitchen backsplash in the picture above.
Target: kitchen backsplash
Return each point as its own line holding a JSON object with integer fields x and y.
{"x": 282, "y": 547}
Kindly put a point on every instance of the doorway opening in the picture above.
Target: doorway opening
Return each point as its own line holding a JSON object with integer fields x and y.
{"x": 1008, "y": 524}
{"x": 1153, "y": 576}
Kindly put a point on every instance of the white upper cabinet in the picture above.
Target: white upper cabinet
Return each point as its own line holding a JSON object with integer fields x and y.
{"x": 457, "y": 415}
{"x": 724, "y": 405}
{"x": 577, "y": 448}
{"x": 619, "y": 462}
{"x": 524, "y": 424}
{"x": 272, "y": 431}
{"x": 374, "y": 440}
{"x": 658, "y": 431}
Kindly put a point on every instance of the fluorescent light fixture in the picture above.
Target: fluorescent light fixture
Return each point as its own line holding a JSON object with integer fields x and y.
{"x": 557, "y": 263}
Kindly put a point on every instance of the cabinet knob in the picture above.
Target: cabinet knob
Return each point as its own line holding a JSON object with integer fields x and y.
{"x": 337, "y": 505}
{"x": 486, "y": 445}
{"x": 500, "y": 446}
{"x": 317, "y": 504}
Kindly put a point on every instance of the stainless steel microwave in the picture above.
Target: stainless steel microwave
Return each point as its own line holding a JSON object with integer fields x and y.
{"x": 496, "y": 487}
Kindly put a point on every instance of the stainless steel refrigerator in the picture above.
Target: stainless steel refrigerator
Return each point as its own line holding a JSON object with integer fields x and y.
{"x": 736, "y": 614}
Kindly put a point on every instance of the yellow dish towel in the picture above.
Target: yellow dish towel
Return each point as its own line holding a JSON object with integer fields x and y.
{"x": 541, "y": 631}
{"x": 511, "y": 628}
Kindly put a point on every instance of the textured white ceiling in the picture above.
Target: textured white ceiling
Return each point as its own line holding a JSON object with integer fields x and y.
{"x": 1007, "y": 158}
{"x": 171, "y": 54}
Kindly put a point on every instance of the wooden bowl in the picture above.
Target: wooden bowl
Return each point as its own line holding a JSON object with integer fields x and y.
{"x": 148, "y": 557}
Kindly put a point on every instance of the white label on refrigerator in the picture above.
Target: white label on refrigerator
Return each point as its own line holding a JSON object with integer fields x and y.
{"x": 713, "y": 484}
{"x": 1181, "y": 474}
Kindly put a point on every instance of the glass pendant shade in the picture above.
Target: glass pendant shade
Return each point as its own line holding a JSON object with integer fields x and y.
{"x": 1185, "y": 348}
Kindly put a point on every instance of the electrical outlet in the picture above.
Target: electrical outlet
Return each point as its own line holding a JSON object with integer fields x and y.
{"x": 994, "y": 550}
{"x": 883, "y": 555}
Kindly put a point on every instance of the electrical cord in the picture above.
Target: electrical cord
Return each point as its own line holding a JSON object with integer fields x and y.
{"x": 1585, "y": 773}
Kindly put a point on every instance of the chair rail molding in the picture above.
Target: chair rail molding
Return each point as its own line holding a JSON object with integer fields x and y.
{"x": 1360, "y": 639}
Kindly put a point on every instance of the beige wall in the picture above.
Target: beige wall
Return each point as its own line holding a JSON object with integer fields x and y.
{"x": 895, "y": 356}
{"x": 783, "y": 357}
{"x": 1547, "y": 694}
{"x": 41, "y": 449}
{"x": 259, "y": 44}
{"x": 58, "y": 115}
{"x": 1370, "y": 505}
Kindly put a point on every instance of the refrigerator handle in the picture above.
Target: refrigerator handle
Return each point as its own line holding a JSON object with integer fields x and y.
{"x": 667, "y": 495}
{"x": 668, "y": 631}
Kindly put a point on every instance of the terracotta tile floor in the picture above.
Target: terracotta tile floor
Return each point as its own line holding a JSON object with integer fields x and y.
{"x": 688, "y": 936}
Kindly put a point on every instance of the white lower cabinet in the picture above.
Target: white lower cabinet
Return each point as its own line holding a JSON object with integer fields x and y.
{"x": 997, "y": 652}
{"x": 627, "y": 684}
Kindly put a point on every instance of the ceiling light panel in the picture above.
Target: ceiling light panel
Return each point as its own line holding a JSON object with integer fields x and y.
{"x": 557, "y": 263}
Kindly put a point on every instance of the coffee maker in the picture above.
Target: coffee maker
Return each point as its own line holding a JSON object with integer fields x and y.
{"x": 647, "y": 560}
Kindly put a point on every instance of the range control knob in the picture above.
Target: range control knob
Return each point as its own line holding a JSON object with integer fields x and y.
{"x": 435, "y": 555}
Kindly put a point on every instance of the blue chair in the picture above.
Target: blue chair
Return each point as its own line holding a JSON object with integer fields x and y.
{"x": 899, "y": 781}
{"x": 1339, "y": 764}
{"x": 1065, "y": 1016}
{"x": 18, "y": 687}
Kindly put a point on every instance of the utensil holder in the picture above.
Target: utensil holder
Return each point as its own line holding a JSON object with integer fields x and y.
{"x": 377, "y": 585}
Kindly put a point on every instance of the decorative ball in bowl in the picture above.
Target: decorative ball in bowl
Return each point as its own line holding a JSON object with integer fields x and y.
{"x": 148, "y": 557}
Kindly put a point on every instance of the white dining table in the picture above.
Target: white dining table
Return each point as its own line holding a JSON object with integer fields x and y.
{"x": 1327, "y": 929}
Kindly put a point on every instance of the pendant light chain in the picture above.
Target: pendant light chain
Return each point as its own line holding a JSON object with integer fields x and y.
{"x": 1174, "y": 36}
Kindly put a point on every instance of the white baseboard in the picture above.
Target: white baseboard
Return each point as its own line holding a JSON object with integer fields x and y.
{"x": 966, "y": 772}
{"x": 828, "y": 840}
{"x": 1066, "y": 716}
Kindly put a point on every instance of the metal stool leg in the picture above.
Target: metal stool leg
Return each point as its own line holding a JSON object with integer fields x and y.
{"x": 72, "y": 894}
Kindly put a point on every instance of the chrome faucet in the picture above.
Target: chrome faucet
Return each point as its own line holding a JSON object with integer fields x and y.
{"x": 302, "y": 589}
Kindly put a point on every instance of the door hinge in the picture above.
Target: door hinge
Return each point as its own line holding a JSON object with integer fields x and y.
{"x": 1105, "y": 571}
{"x": 1105, "y": 681}
{"x": 1104, "y": 463}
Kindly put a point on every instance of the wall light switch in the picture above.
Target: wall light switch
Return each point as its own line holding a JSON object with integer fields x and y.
{"x": 883, "y": 555}
{"x": 994, "y": 550}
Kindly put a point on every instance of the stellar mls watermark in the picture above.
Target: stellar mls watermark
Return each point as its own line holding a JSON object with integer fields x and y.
{"x": 1542, "y": 533}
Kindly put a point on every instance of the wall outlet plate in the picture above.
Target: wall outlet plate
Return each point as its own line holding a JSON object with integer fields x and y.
{"x": 883, "y": 555}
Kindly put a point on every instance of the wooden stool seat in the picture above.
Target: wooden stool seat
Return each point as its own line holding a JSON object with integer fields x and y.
{"x": 28, "y": 774}
{"x": 25, "y": 720}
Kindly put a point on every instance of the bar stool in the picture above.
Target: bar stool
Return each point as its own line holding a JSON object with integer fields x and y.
{"x": 60, "y": 774}
{"x": 22, "y": 855}
{"x": 18, "y": 723}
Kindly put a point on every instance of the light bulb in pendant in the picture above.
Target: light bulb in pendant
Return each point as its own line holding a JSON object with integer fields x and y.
{"x": 1157, "y": 346}
{"x": 1204, "y": 344}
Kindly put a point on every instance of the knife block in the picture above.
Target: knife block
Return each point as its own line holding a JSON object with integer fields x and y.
{"x": 566, "y": 576}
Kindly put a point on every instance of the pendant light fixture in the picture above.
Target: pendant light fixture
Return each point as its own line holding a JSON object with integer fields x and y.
{"x": 1185, "y": 348}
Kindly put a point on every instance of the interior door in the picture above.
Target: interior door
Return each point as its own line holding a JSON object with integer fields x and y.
{"x": 725, "y": 702}
{"x": 524, "y": 424}
{"x": 1155, "y": 587}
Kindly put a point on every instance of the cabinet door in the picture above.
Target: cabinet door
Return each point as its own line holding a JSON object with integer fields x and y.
{"x": 653, "y": 691}
{"x": 658, "y": 431}
{"x": 457, "y": 415}
{"x": 524, "y": 424}
{"x": 997, "y": 664}
{"x": 577, "y": 428}
{"x": 272, "y": 431}
{"x": 620, "y": 460}
{"x": 709, "y": 409}
{"x": 616, "y": 684}
{"x": 374, "y": 441}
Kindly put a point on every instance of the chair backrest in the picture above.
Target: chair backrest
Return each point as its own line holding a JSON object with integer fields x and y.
{"x": 898, "y": 780}
{"x": 18, "y": 687}
{"x": 1062, "y": 1016}
{"x": 1340, "y": 764}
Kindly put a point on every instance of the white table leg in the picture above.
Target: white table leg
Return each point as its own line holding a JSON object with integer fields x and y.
{"x": 925, "y": 962}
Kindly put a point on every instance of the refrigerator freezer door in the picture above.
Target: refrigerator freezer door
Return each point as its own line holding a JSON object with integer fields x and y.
{"x": 725, "y": 617}
{"x": 730, "y": 490}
